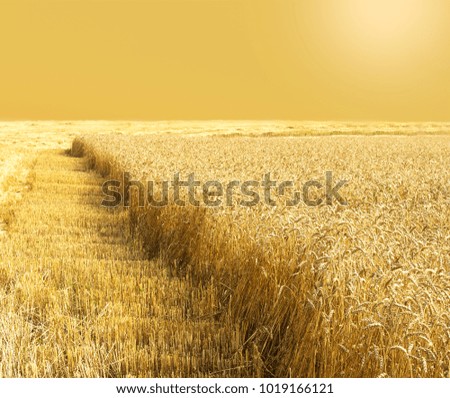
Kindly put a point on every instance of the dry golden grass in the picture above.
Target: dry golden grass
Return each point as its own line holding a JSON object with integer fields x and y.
{"x": 355, "y": 291}
{"x": 80, "y": 300}
{"x": 358, "y": 290}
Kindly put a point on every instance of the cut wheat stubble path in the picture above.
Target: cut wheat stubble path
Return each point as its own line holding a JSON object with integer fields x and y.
{"x": 80, "y": 300}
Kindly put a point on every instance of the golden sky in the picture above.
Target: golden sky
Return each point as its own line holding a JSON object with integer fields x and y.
{"x": 225, "y": 59}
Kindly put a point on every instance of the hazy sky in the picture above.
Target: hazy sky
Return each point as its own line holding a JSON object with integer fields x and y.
{"x": 225, "y": 59}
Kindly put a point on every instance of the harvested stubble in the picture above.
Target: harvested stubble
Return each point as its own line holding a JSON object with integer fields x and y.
{"x": 330, "y": 291}
{"x": 79, "y": 300}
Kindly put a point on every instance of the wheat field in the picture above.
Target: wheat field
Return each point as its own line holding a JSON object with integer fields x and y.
{"x": 354, "y": 290}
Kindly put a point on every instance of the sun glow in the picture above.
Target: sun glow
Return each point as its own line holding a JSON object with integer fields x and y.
{"x": 388, "y": 26}
{"x": 387, "y": 32}
{"x": 375, "y": 27}
{"x": 384, "y": 20}
{"x": 376, "y": 53}
{"x": 221, "y": 59}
